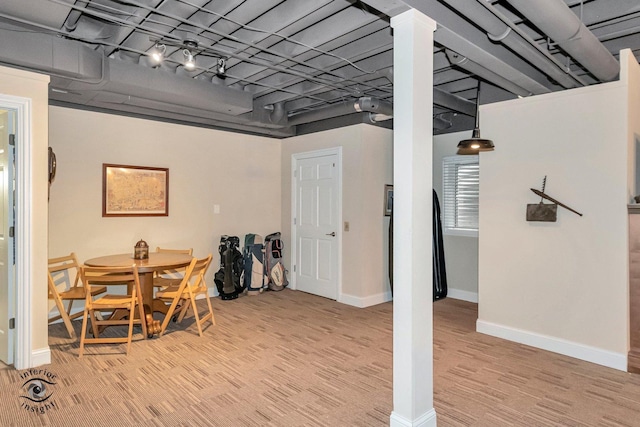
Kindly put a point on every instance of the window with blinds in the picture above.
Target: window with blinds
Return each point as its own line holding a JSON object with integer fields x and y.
{"x": 461, "y": 194}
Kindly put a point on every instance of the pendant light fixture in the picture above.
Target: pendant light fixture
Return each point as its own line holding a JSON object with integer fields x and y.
{"x": 476, "y": 143}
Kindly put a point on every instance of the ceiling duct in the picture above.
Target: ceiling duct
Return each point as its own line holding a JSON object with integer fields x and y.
{"x": 557, "y": 20}
{"x": 45, "y": 53}
{"x": 379, "y": 111}
{"x": 364, "y": 104}
{"x": 162, "y": 86}
{"x": 497, "y": 69}
{"x": 490, "y": 20}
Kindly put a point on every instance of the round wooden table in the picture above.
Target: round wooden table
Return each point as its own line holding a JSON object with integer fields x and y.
{"x": 157, "y": 261}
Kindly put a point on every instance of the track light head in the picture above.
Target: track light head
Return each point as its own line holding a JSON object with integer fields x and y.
{"x": 157, "y": 53}
{"x": 189, "y": 63}
{"x": 221, "y": 68}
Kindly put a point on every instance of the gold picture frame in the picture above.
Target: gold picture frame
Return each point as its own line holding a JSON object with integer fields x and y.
{"x": 134, "y": 191}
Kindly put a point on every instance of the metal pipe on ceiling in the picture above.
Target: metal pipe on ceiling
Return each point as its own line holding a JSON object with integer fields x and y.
{"x": 379, "y": 110}
{"x": 555, "y": 19}
{"x": 498, "y": 70}
{"x": 493, "y": 22}
{"x": 466, "y": 64}
{"x": 252, "y": 59}
{"x": 43, "y": 64}
{"x": 364, "y": 104}
{"x": 126, "y": 36}
{"x": 72, "y": 20}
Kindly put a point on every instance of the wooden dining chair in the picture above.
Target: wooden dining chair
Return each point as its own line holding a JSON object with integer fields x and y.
{"x": 164, "y": 278}
{"x": 121, "y": 306}
{"x": 183, "y": 295}
{"x": 65, "y": 285}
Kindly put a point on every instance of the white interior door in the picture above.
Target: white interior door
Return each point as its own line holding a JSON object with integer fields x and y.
{"x": 6, "y": 241}
{"x": 317, "y": 224}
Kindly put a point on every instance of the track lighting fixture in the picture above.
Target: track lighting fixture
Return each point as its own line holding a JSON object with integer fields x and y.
{"x": 475, "y": 144}
{"x": 189, "y": 63}
{"x": 157, "y": 53}
{"x": 221, "y": 69}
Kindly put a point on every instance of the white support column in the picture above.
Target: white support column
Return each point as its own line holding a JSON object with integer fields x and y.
{"x": 412, "y": 211}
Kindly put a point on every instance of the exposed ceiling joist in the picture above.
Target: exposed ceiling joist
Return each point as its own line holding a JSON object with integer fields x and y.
{"x": 286, "y": 62}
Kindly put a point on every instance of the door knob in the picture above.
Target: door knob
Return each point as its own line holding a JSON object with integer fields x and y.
{"x": 332, "y": 234}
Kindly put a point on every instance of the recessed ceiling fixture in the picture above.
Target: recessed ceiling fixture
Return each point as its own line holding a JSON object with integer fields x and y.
{"x": 476, "y": 143}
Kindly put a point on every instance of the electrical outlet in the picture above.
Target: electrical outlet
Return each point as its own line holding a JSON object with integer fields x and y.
{"x": 346, "y": 226}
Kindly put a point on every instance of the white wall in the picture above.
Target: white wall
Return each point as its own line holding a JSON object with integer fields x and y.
{"x": 460, "y": 252}
{"x": 562, "y": 285}
{"x": 367, "y": 167}
{"x": 34, "y": 87}
{"x": 630, "y": 72}
{"x": 241, "y": 173}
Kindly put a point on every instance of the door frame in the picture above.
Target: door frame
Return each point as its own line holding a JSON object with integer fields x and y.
{"x": 23, "y": 237}
{"x": 294, "y": 209}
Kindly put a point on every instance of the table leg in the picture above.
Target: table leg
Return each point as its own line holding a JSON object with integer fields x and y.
{"x": 146, "y": 285}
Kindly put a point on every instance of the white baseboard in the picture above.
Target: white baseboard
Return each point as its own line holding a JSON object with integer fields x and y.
{"x": 462, "y": 295}
{"x": 556, "y": 345}
{"x": 427, "y": 419}
{"x": 362, "y": 302}
{"x": 40, "y": 356}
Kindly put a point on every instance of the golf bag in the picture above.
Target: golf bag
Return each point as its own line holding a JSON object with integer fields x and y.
{"x": 255, "y": 280}
{"x": 274, "y": 269}
{"x": 228, "y": 278}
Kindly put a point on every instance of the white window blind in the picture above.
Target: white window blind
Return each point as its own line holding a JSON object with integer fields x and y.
{"x": 461, "y": 188}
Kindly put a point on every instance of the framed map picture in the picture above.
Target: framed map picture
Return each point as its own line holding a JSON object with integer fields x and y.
{"x": 134, "y": 191}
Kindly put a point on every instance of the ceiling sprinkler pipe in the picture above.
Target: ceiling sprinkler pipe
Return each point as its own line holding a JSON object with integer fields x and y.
{"x": 486, "y": 74}
{"x": 74, "y": 16}
{"x": 364, "y": 104}
{"x": 498, "y": 30}
{"x": 555, "y": 19}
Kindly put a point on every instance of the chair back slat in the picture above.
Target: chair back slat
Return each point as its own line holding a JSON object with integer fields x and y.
{"x": 175, "y": 251}
{"x": 111, "y": 277}
{"x": 183, "y": 296}
{"x": 64, "y": 285}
